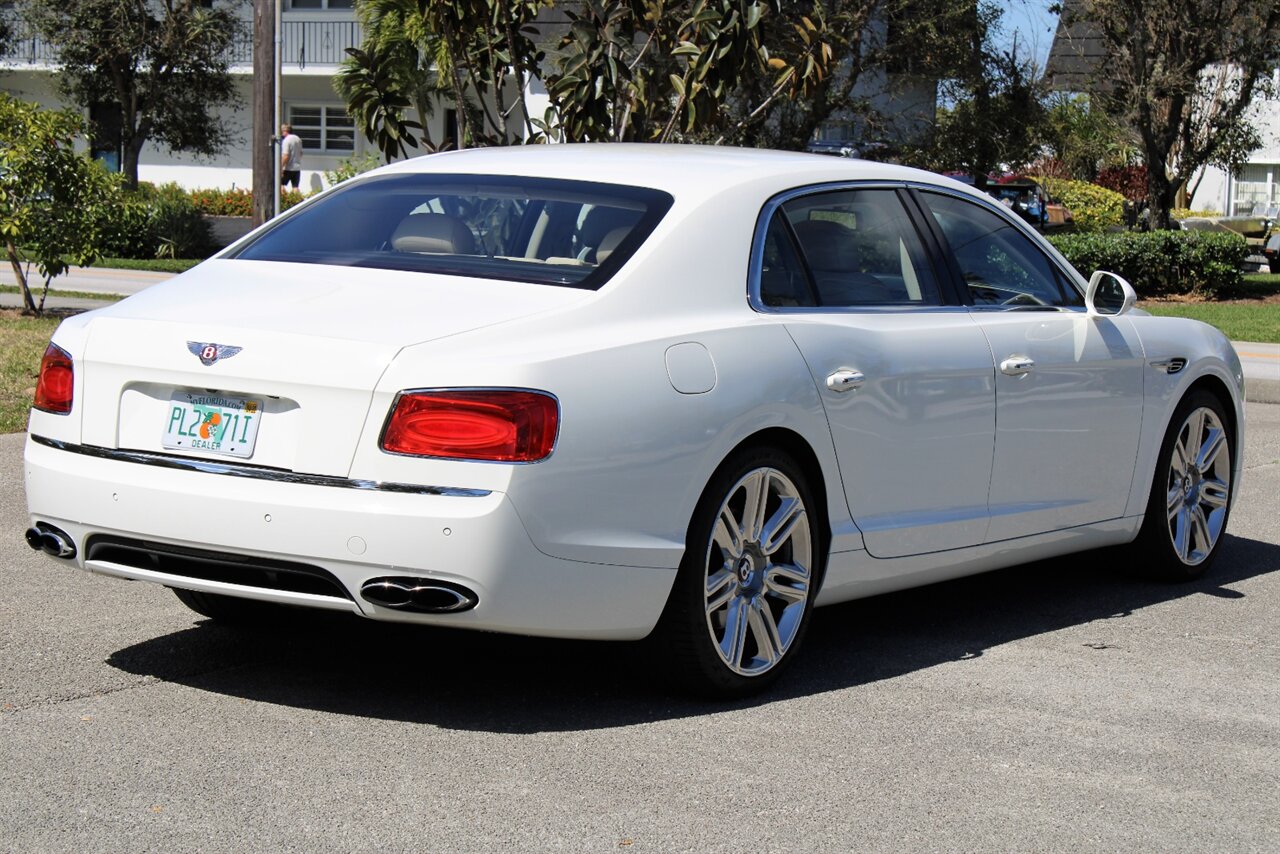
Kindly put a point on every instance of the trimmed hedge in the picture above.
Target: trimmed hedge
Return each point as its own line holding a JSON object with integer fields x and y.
{"x": 1161, "y": 263}
{"x": 236, "y": 202}
{"x": 157, "y": 222}
{"x": 1093, "y": 208}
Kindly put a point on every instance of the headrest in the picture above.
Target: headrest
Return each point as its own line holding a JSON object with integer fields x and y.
{"x": 610, "y": 242}
{"x": 433, "y": 232}
{"x": 601, "y": 221}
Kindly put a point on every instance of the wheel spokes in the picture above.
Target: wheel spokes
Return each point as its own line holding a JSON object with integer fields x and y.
{"x": 1198, "y": 486}
{"x": 781, "y": 524}
{"x": 1209, "y": 450}
{"x": 757, "y": 500}
{"x": 790, "y": 583}
{"x": 734, "y": 642}
{"x": 769, "y": 645}
{"x": 728, "y": 533}
{"x": 757, "y": 579}
{"x": 721, "y": 588}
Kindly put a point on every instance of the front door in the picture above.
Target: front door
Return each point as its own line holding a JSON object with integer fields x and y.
{"x": 1068, "y": 386}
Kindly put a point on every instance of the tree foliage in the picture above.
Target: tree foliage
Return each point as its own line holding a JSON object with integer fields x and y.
{"x": 1183, "y": 73}
{"x": 993, "y": 103}
{"x": 654, "y": 70}
{"x": 54, "y": 203}
{"x": 1083, "y": 139}
{"x": 477, "y": 54}
{"x": 162, "y": 63}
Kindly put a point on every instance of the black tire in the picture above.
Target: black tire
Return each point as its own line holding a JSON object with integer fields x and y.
{"x": 1182, "y": 530}
{"x": 761, "y": 583}
{"x": 231, "y": 610}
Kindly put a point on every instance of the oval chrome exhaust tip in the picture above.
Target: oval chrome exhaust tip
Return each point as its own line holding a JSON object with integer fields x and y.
{"x": 51, "y": 541}
{"x": 419, "y": 595}
{"x": 32, "y": 536}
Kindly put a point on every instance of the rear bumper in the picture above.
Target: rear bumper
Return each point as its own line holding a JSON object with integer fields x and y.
{"x": 471, "y": 538}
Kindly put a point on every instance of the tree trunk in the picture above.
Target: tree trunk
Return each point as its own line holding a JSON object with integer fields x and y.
{"x": 1161, "y": 194}
{"x": 132, "y": 151}
{"x": 16, "y": 264}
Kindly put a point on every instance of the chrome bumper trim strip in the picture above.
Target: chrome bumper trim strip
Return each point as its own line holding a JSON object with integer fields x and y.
{"x": 169, "y": 461}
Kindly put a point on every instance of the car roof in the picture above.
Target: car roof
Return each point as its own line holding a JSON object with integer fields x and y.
{"x": 676, "y": 169}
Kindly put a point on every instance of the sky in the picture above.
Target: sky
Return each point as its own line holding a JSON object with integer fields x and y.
{"x": 1032, "y": 24}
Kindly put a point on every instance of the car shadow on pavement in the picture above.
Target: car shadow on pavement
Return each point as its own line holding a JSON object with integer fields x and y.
{"x": 474, "y": 681}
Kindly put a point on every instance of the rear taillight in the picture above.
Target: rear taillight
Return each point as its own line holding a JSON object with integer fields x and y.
{"x": 54, "y": 389}
{"x": 496, "y": 425}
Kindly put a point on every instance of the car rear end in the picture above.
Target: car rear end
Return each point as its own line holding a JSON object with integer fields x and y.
{"x": 218, "y": 434}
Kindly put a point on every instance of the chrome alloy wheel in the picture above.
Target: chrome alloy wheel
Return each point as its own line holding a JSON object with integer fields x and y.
{"x": 1198, "y": 486}
{"x": 759, "y": 568}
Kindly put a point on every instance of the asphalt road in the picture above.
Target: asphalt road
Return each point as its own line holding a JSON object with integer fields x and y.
{"x": 1053, "y": 706}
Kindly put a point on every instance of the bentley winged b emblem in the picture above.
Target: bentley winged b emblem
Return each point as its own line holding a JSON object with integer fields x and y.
{"x": 210, "y": 353}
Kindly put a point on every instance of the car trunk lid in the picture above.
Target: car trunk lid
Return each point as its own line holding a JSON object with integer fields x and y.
{"x": 313, "y": 341}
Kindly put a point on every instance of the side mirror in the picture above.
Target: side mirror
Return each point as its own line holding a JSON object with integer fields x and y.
{"x": 1108, "y": 295}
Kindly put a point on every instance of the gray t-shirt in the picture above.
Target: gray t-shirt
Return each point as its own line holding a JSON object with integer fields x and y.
{"x": 291, "y": 153}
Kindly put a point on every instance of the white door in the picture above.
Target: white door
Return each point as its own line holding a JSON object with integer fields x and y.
{"x": 907, "y": 382}
{"x": 1068, "y": 387}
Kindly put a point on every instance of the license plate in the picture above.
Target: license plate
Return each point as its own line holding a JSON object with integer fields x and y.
{"x": 212, "y": 423}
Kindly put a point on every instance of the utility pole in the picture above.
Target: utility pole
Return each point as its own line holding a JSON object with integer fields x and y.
{"x": 266, "y": 165}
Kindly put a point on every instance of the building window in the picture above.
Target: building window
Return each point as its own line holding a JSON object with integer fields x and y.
{"x": 320, "y": 4}
{"x": 323, "y": 129}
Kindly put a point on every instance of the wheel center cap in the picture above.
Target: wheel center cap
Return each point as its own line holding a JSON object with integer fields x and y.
{"x": 745, "y": 568}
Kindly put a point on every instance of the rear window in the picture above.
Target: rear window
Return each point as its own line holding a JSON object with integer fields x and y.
{"x": 542, "y": 231}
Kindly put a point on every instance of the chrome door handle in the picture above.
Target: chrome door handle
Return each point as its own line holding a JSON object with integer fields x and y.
{"x": 1016, "y": 366}
{"x": 845, "y": 380}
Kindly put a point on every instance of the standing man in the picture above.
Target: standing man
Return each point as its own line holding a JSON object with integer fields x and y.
{"x": 290, "y": 158}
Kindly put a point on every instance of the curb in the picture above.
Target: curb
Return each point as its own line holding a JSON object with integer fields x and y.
{"x": 1260, "y": 390}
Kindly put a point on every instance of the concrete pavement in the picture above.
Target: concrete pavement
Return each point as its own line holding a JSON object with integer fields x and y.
{"x": 1055, "y": 706}
{"x": 1261, "y": 362}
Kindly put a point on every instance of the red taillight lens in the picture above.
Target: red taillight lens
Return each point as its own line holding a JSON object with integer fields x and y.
{"x": 54, "y": 389}
{"x": 494, "y": 425}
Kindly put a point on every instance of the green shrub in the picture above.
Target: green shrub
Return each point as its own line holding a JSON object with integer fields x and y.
{"x": 1093, "y": 208}
{"x": 236, "y": 202}
{"x": 349, "y": 167}
{"x": 181, "y": 230}
{"x": 156, "y": 222}
{"x": 1161, "y": 263}
{"x": 129, "y": 231}
{"x": 233, "y": 202}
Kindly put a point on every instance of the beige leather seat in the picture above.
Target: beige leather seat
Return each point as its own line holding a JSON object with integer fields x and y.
{"x": 435, "y": 233}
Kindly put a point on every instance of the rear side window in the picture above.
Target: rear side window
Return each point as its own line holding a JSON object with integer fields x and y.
{"x": 542, "y": 231}
{"x": 859, "y": 248}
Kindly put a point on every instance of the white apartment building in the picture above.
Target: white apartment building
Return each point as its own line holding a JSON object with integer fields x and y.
{"x": 314, "y": 37}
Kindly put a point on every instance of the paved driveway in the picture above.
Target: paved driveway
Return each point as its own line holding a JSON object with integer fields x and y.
{"x": 1055, "y": 705}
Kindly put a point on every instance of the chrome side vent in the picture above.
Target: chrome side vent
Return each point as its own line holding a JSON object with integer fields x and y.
{"x": 1170, "y": 366}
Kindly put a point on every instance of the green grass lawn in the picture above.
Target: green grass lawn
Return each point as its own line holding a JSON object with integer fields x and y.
{"x": 22, "y": 343}
{"x": 1240, "y": 321}
{"x": 156, "y": 265}
{"x": 14, "y": 289}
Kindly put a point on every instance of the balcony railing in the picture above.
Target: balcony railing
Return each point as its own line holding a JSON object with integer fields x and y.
{"x": 303, "y": 44}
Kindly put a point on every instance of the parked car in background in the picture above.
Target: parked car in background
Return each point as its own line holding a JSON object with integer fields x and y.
{"x": 610, "y": 390}
{"x": 1027, "y": 199}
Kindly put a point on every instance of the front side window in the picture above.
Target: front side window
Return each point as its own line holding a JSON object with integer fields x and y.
{"x": 859, "y": 247}
{"x": 1000, "y": 265}
{"x": 521, "y": 229}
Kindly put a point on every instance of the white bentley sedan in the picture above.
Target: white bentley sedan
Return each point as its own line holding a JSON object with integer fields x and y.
{"x": 605, "y": 391}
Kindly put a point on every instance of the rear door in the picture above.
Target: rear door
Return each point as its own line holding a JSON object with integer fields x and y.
{"x": 906, "y": 378}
